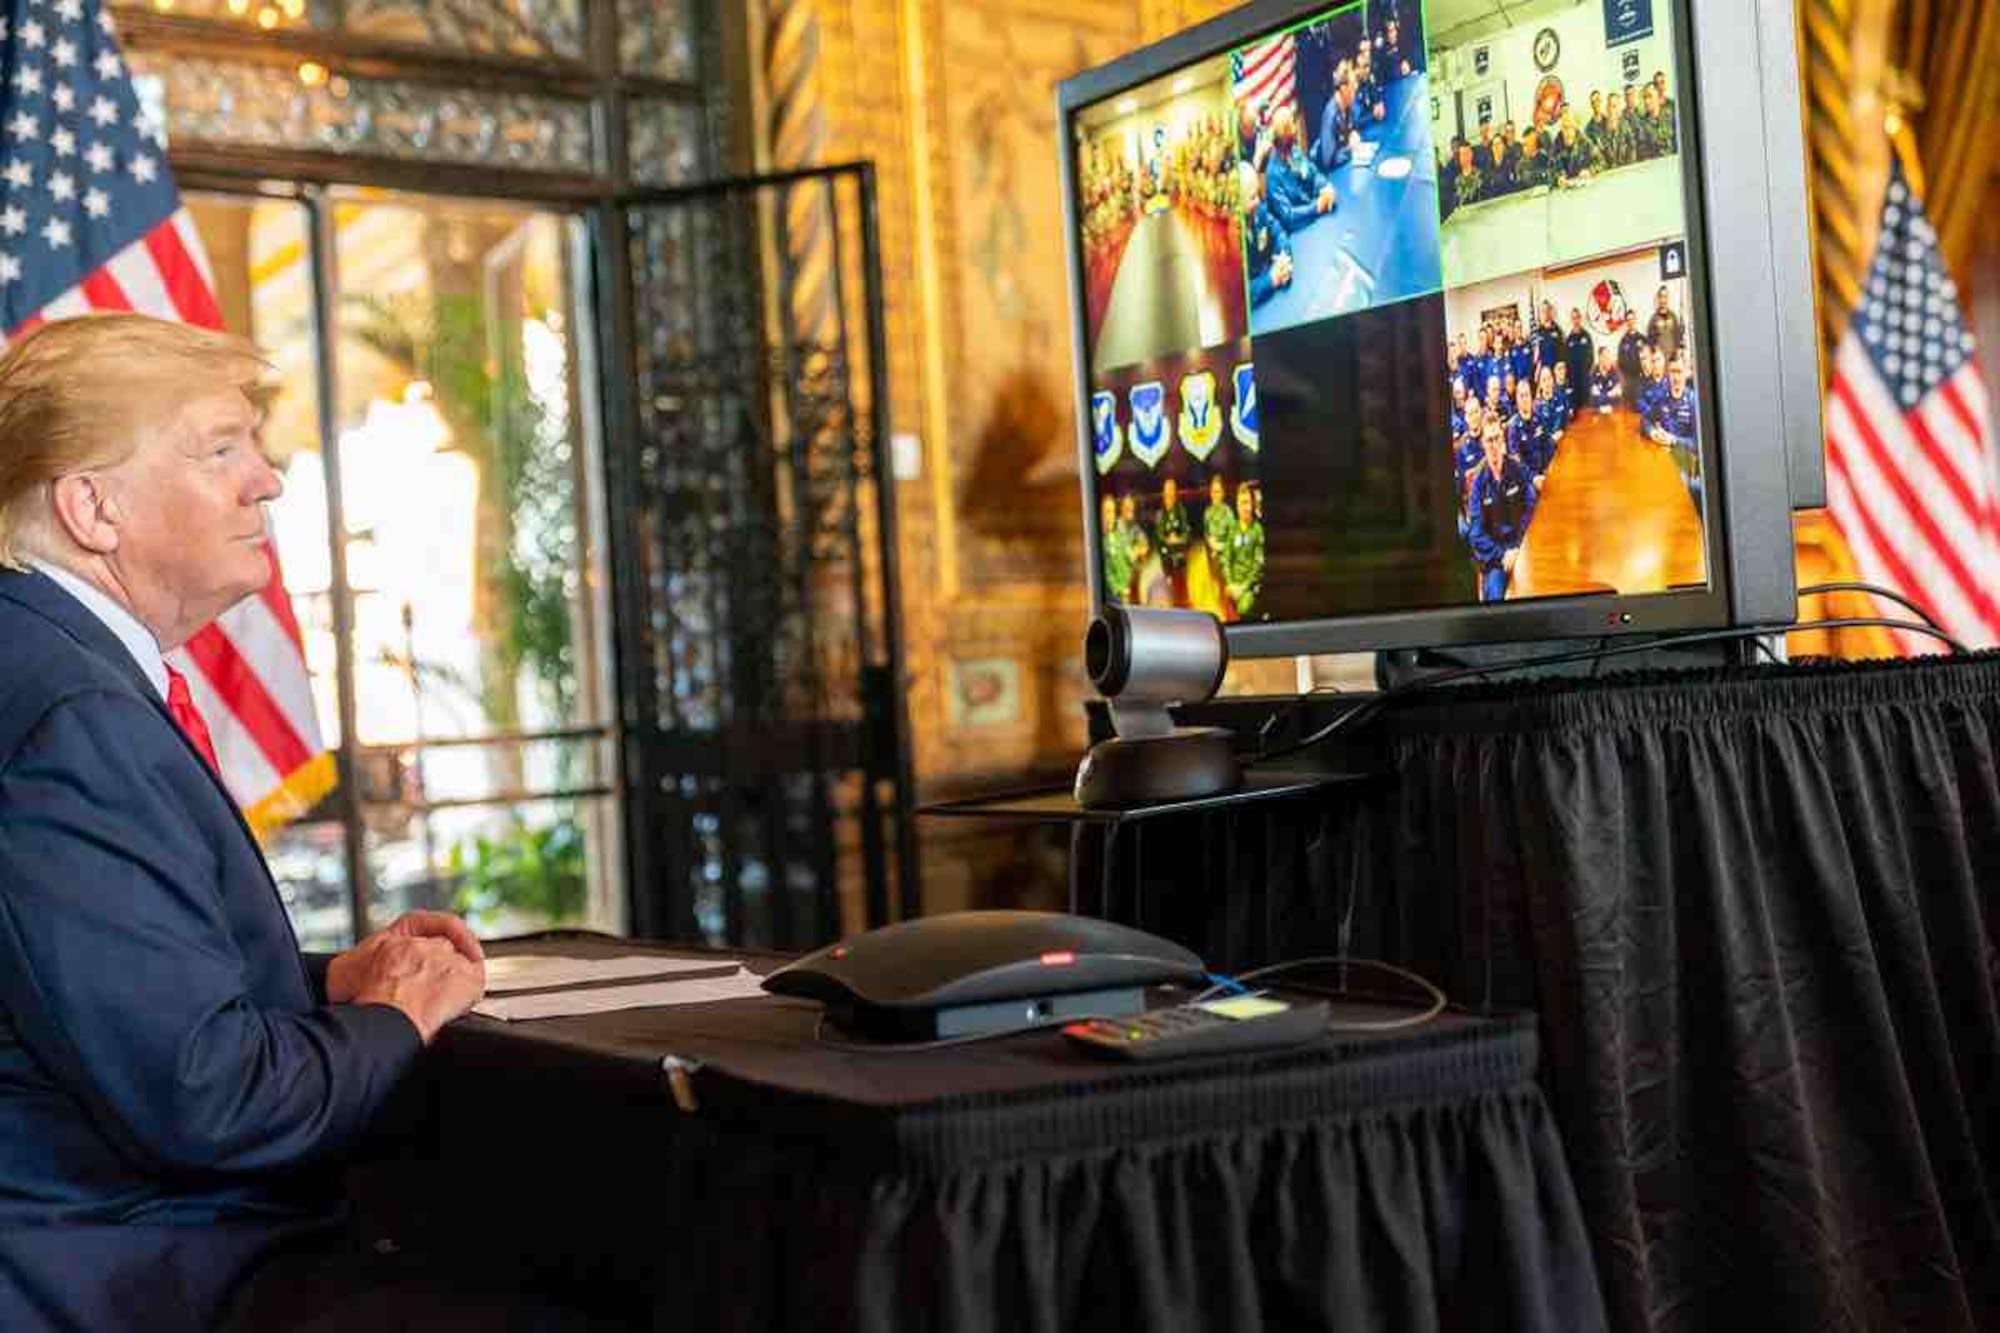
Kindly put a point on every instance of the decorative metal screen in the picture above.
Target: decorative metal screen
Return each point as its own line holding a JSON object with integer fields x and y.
{"x": 754, "y": 538}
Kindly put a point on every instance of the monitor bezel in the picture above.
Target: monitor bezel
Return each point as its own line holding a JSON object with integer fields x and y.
{"x": 1717, "y": 48}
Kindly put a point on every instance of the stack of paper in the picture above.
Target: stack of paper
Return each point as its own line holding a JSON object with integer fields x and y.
{"x": 566, "y": 986}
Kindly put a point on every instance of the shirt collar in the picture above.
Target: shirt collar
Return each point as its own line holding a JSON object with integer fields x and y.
{"x": 124, "y": 626}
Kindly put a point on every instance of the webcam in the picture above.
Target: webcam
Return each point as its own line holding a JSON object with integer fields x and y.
{"x": 1146, "y": 661}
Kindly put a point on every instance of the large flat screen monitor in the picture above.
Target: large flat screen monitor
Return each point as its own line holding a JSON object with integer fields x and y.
{"x": 1405, "y": 323}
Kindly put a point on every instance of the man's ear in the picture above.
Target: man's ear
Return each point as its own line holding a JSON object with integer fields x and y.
{"x": 86, "y": 511}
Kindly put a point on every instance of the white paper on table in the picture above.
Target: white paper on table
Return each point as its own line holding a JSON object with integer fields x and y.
{"x": 536, "y": 971}
{"x": 742, "y": 984}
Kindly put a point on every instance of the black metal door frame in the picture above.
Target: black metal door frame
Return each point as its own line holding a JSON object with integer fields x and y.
{"x": 747, "y": 762}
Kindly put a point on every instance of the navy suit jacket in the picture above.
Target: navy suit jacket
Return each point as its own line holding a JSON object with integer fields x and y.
{"x": 174, "y": 1093}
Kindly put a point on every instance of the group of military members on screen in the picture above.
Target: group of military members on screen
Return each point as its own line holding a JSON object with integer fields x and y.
{"x": 1158, "y": 559}
{"x": 1194, "y": 171}
{"x": 1283, "y": 180}
{"x": 1558, "y": 150}
{"x": 1515, "y": 394}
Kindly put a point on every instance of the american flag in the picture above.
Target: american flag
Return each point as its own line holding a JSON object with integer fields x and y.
{"x": 1909, "y": 450}
{"x": 1265, "y": 73}
{"x": 90, "y": 220}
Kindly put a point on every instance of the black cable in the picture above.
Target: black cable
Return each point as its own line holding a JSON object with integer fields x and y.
{"x": 1873, "y": 590}
{"x": 1597, "y": 667}
{"x": 1370, "y": 707}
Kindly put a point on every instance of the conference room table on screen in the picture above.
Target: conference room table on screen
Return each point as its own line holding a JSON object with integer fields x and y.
{"x": 1180, "y": 280}
{"x": 1615, "y": 516}
{"x": 1616, "y": 210}
{"x": 1370, "y": 1180}
{"x": 1381, "y": 238}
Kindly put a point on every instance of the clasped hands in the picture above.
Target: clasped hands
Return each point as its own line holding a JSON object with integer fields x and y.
{"x": 428, "y": 964}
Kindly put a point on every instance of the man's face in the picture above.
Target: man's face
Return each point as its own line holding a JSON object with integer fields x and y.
{"x": 1660, "y": 86}
{"x": 1494, "y": 441}
{"x": 1475, "y": 420}
{"x": 1486, "y": 131}
{"x": 1215, "y": 491}
{"x": 1128, "y": 508}
{"x": 1171, "y": 494}
{"x": 1524, "y": 400}
{"x": 1660, "y": 301}
{"x": 1576, "y": 320}
{"x": 191, "y": 535}
{"x": 1679, "y": 377}
{"x": 1110, "y": 512}
{"x": 1596, "y": 104}
{"x": 1245, "y": 504}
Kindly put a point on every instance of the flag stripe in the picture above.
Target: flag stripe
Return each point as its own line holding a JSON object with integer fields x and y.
{"x": 1895, "y": 561}
{"x": 265, "y": 649}
{"x": 1919, "y": 512}
{"x": 252, "y": 704}
{"x": 140, "y": 281}
{"x": 103, "y": 292}
{"x": 182, "y": 277}
{"x": 1855, "y": 527}
{"x": 184, "y": 228}
{"x": 243, "y": 762}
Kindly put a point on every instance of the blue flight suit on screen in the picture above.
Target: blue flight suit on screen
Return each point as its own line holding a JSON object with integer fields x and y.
{"x": 1292, "y": 188}
{"x": 1264, "y": 239}
{"x": 1474, "y": 371}
{"x": 1528, "y": 441}
{"x": 1457, "y": 423}
{"x": 1546, "y": 345}
{"x": 1497, "y": 519}
{"x": 1521, "y": 361}
{"x": 1467, "y": 458}
{"x": 1678, "y": 417}
{"x": 1335, "y": 125}
{"x": 1549, "y": 416}
{"x": 1605, "y": 388}
{"x": 1648, "y": 404}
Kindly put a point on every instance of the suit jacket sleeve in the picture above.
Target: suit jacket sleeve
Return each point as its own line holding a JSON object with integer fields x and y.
{"x": 122, "y": 974}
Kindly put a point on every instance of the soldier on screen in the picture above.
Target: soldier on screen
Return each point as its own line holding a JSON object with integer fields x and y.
{"x": 1534, "y": 168}
{"x": 1548, "y": 411}
{"x": 1573, "y": 154}
{"x": 1607, "y": 384}
{"x": 1499, "y": 510}
{"x": 1172, "y": 532}
{"x": 1579, "y": 350}
{"x": 1299, "y": 193}
{"x": 1527, "y": 440}
{"x": 1477, "y": 367}
{"x": 1617, "y": 146}
{"x": 1117, "y": 553}
{"x": 1520, "y": 357}
{"x": 1677, "y": 427}
{"x": 1565, "y": 400}
{"x": 1339, "y": 126}
{"x": 1496, "y": 405}
{"x": 1645, "y": 134}
{"x": 1482, "y": 152}
{"x": 1218, "y": 522}
{"x": 1243, "y": 570}
{"x": 1267, "y": 246}
{"x": 1660, "y": 122}
{"x": 1665, "y": 330}
{"x": 1369, "y": 95}
{"x": 1546, "y": 343}
{"x": 1631, "y": 362}
{"x": 1653, "y": 388}
{"x": 1468, "y": 454}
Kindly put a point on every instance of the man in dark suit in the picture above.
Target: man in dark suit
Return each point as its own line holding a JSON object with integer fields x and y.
{"x": 178, "y": 1085}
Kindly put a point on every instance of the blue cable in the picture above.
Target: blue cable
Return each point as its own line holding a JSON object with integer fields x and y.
{"x": 1216, "y": 981}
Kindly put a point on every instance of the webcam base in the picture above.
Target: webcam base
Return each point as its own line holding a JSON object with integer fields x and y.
{"x": 1184, "y": 764}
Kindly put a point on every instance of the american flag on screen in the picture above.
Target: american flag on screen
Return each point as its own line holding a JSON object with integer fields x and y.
{"x": 1265, "y": 73}
{"x": 1909, "y": 446}
{"x": 90, "y": 220}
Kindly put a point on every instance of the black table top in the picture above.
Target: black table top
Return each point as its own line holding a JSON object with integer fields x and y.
{"x": 767, "y": 1063}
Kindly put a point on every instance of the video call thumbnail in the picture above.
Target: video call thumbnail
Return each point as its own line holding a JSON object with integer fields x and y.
{"x": 1575, "y": 429}
{"x": 1177, "y": 442}
{"x": 1162, "y": 249}
{"x": 1558, "y": 137}
{"x": 1338, "y": 185}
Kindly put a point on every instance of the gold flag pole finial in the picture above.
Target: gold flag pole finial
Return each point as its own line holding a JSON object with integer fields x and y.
{"x": 1902, "y": 96}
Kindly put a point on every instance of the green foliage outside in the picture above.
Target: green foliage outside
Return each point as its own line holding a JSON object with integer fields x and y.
{"x": 527, "y": 539}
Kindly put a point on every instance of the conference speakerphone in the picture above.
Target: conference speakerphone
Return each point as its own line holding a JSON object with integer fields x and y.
{"x": 966, "y": 973}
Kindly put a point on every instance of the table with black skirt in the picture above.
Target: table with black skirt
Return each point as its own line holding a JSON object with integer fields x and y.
{"x": 728, "y": 1166}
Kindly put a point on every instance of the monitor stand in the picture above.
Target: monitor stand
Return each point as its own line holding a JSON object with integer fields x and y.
{"x": 1404, "y": 666}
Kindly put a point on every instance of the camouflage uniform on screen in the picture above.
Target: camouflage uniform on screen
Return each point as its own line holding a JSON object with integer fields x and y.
{"x": 1243, "y": 575}
{"x": 1618, "y": 146}
{"x": 1666, "y": 141}
{"x": 1645, "y": 135}
{"x": 1171, "y": 533}
{"x": 1532, "y": 172}
{"x": 1219, "y": 527}
{"x": 1117, "y": 565}
{"x": 1468, "y": 187}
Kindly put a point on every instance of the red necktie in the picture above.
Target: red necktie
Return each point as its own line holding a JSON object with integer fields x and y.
{"x": 181, "y": 705}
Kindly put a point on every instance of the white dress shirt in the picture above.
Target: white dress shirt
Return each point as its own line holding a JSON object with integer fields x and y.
{"x": 138, "y": 640}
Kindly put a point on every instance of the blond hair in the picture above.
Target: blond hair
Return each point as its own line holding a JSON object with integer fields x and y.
{"x": 84, "y": 393}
